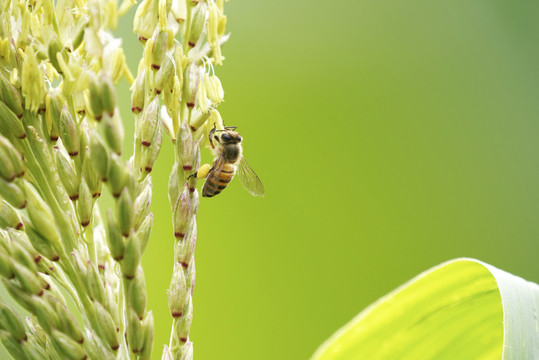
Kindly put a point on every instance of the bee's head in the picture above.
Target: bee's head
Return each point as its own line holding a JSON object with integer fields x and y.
{"x": 230, "y": 137}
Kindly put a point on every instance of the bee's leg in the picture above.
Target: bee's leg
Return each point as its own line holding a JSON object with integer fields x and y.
{"x": 202, "y": 172}
{"x": 212, "y": 131}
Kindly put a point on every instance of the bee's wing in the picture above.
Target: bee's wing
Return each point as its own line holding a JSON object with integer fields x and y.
{"x": 249, "y": 180}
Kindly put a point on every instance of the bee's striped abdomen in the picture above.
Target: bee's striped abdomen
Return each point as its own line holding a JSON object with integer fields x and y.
{"x": 217, "y": 181}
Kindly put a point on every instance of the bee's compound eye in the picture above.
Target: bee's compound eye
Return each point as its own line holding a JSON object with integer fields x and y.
{"x": 226, "y": 137}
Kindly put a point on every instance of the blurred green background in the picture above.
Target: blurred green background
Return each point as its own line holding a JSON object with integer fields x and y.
{"x": 390, "y": 136}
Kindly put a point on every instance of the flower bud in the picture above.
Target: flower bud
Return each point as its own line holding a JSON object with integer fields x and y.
{"x": 6, "y": 269}
{"x": 92, "y": 179}
{"x": 99, "y": 156}
{"x": 54, "y": 104}
{"x": 192, "y": 78}
{"x": 68, "y": 175}
{"x": 10, "y": 322}
{"x": 190, "y": 277}
{"x": 159, "y": 49}
{"x": 85, "y": 204}
{"x": 197, "y": 22}
{"x": 147, "y": 324}
{"x": 145, "y": 20}
{"x": 173, "y": 185}
{"x": 106, "y": 326}
{"x": 177, "y": 293}
{"x": 11, "y": 96}
{"x": 13, "y": 155}
{"x": 108, "y": 98}
{"x": 55, "y": 48}
{"x": 185, "y": 249}
{"x": 22, "y": 252}
{"x": 165, "y": 76}
{"x": 14, "y": 347}
{"x": 118, "y": 175}
{"x": 114, "y": 238}
{"x": 96, "y": 97}
{"x": 9, "y": 123}
{"x": 68, "y": 324}
{"x": 182, "y": 214}
{"x": 185, "y": 148}
{"x": 202, "y": 97}
{"x": 185, "y": 352}
{"x": 9, "y": 217}
{"x": 142, "y": 204}
{"x": 11, "y": 193}
{"x": 144, "y": 231}
{"x": 41, "y": 215}
{"x": 183, "y": 325}
{"x": 114, "y": 132}
{"x": 23, "y": 298}
{"x": 149, "y": 122}
{"x": 150, "y": 153}
{"x": 42, "y": 246}
{"x": 96, "y": 291}
{"x": 137, "y": 293}
{"x": 7, "y": 171}
{"x": 69, "y": 132}
{"x": 28, "y": 279}
{"x": 66, "y": 347}
{"x": 33, "y": 84}
{"x": 137, "y": 95}
{"x": 135, "y": 331}
{"x": 125, "y": 213}
{"x": 167, "y": 355}
{"x": 179, "y": 10}
{"x": 167, "y": 122}
{"x": 214, "y": 89}
{"x": 132, "y": 256}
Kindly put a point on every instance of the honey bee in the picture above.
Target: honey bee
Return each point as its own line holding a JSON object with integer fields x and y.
{"x": 229, "y": 159}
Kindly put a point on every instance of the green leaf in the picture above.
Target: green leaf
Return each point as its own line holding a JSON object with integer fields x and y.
{"x": 461, "y": 309}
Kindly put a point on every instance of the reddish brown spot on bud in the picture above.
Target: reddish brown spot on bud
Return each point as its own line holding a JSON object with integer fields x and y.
{"x": 142, "y": 39}
{"x": 117, "y": 195}
{"x": 37, "y": 259}
{"x": 54, "y": 137}
{"x": 115, "y": 347}
{"x": 191, "y": 44}
{"x": 19, "y": 226}
{"x": 146, "y": 143}
{"x": 117, "y": 329}
{"x": 156, "y": 66}
{"x": 176, "y": 314}
{"x": 21, "y": 174}
{"x": 99, "y": 117}
{"x": 81, "y": 112}
{"x": 136, "y": 109}
{"x": 23, "y": 205}
{"x": 96, "y": 195}
{"x": 85, "y": 357}
{"x": 55, "y": 258}
{"x": 40, "y": 293}
{"x": 85, "y": 223}
{"x": 158, "y": 91}
{"x": 74, "y": 197}
{"x": 148, "y": 169}
{"x": 129, "y": 277}
{"x": 119, "y": 258}
{"x": 190, "y": 105}
{"x": 187, "y": 167}
{"x": 20, "y": 115}
{"x": 193, "y": 128}
{"x": 23, "y": 136}
{"x": 73, "y": 153}
{"x": 179, "y": 235}
{"x": 183, "y": 340}
{"x": 47, "y": 286}
{"x": 191, "y": 189}
{"x": 184, "y": 264}
{"x": 81, "y": 340}
{"x": 101, "y": 267}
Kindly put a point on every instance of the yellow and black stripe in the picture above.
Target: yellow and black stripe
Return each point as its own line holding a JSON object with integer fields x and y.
{"x": 218, "y": 180}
